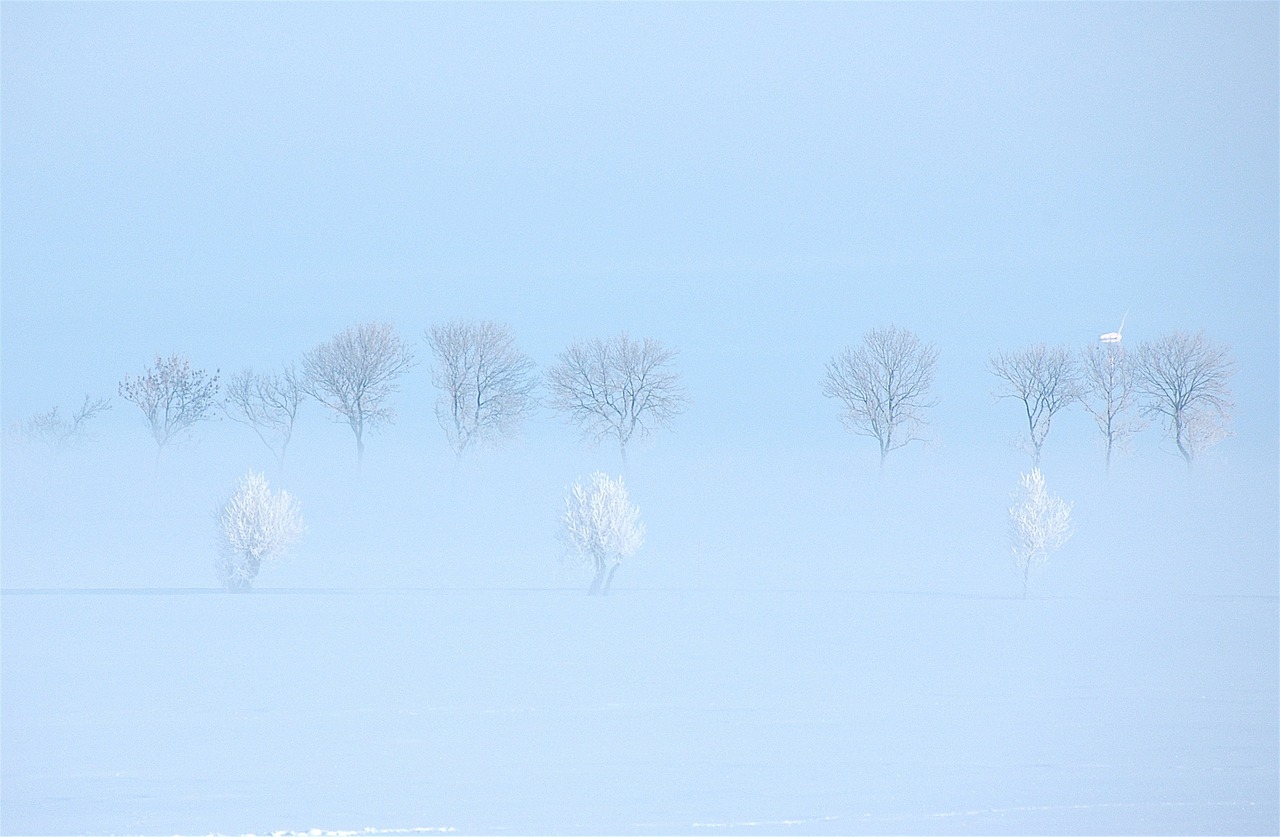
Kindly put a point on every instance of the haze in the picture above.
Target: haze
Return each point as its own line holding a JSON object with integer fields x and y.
{"x": 803, "y": 644}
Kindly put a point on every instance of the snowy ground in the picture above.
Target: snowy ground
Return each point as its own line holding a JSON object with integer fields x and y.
{"x": 500, "y": 711}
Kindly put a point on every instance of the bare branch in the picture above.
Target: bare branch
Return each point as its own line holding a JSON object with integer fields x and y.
{"x": 486, "y": 383}
{"x": 1183, "y": 380}
{"x": 56, "y": 433}
{"x": 1045, "y": 380}
{"x": 354, "y": 374}
{"x": 268, "y": 404}
{"x": 172, "y": 396}
{"x": 884, "y": 384}
{"x": 1109, "y": 393}
{"x": 617, "y": 388}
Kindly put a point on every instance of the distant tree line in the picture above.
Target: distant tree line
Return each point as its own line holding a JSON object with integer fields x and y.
{"x": 1180, "y": 378}
{"x": 611, "y": 388}
{"x": 619, "y": 389}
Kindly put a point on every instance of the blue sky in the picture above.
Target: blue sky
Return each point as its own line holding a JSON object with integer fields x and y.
{"x": 755, "y": 184}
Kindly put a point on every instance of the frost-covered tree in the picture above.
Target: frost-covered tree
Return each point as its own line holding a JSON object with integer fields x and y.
{"x": 884, "y": 384}
{"x": 254, "y": 525}
{"x": 56, "y": 432}
{"x": 617, "y": 388}
{"x": 600, "y": 527}
{"x": 1045, "y": 380}
{"x": 1109, "y": 393}
{"x": 486, "y": 383}
{"x": 1039, "y": 523}
{"x": 355, "y": 373}
{"x": 267, "y": 403}
{"x": 172, "y": 396}
{"x": 1183, "y": 380}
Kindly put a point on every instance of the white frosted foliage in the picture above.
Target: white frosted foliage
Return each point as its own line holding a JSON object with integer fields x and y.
{"x": 601, "y": 527}
{"x": 254, "y": 525}
{"x": 1039, "y": 523}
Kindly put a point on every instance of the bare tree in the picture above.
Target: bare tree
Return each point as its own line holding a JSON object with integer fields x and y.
{"x": 267, "y": 403}
{"x": 1039, "y": 523}
{"x": 884, "y": 384}
{"x": 57, "y": 433}
{"x": 1201, "y": 430}
{"x": 172, "y": 396}
{"x": 601, "y": 527}
{"x": 617, "y": 388}
{"x": 1109, "y": 393}
{"x": 1183, "y": 379}
{"x": 254, "y": 525}
{"x": 1045, "y": 380}
{"x": 486, "y": 383}
{"x": 354, "y": 374}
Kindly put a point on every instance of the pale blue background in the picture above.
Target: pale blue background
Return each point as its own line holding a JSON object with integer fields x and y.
{"x": 801, "y": 646}
{"x": 755, "y": 184}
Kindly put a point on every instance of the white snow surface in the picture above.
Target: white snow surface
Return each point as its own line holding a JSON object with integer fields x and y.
{"x": 651, "y": 711}
{"x": 798, "y": 649}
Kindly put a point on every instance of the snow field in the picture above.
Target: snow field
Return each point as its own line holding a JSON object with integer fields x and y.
{"x": 713, "y": 711}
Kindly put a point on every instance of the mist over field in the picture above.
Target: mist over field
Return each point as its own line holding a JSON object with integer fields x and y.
{"x": 805, "y": 643}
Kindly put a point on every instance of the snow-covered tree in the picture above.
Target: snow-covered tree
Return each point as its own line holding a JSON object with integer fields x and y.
{"x": 1039, "y": 523}
{"x": 254, "y": 525}
{"x": 172, "y": 396}
{"x": 600, "y": 527}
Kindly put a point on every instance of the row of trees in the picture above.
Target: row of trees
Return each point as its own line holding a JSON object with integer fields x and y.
{"x": 1179, "y": 379}
{"x": 618, "y": 389}
{"x": 884, "y": 386}
{"x": 600, "y": 528}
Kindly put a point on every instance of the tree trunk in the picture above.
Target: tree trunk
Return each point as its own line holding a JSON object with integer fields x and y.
{"x": 598, "y": 579}
{"x": 1177, "y": 439}
{"x": 237, "y": 583}
{"x": 609, "y": 580}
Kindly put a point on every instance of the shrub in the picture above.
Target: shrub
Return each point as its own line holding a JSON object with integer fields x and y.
{"x": 254, "y": 525}
{"x": 601, "y": 527}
